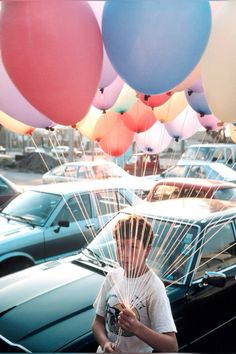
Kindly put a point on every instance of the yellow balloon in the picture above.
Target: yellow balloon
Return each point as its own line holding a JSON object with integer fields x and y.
{"x": 232, "y": 130}
{"x": 169, "y": 110}
{"x": 218, "y": 64}
{"x": 86, "y": 126}
{"x": 14, "y": 125}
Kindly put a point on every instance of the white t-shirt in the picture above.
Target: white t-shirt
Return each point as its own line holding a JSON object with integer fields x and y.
{"x": 149, "y": 301}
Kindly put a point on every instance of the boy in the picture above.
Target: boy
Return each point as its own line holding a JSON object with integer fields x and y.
{"x": 132, "y": 309}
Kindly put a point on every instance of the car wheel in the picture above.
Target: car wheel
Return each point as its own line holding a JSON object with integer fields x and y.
{"x": 13, "y": 265}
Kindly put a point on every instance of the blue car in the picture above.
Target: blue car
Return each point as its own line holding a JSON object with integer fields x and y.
{"x": 49, "y": 307}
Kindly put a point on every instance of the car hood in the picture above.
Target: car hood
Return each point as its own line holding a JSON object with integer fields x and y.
{"x": 45, "y": 307}
{"x": 12, "y": 228}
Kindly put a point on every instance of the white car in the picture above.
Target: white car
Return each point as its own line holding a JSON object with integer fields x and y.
{"x": 97, "y": 169}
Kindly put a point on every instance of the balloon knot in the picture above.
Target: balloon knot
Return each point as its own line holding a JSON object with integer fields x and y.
{"x": 122, "y": 112}
{"x": 190, "y": 92}
{"x": 202, "y": 114}
{"x": 177, "y": 139}
{"x": 104, "y": 111}
{"x": 73, "y": 126}
{"x": 146, "y": 97}
{"x": 101, "y": 90}
{"x": 149, "y": 149}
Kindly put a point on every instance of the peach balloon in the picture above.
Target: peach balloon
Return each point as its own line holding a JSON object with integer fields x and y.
{"x": 171, "y": 108}
{"x": 119, "y": 138}
{"x": 232, "y": 130}
{"x": 139, "y": 117}
{"x": 218, "y": 64}
{"x": 14, "y": 125}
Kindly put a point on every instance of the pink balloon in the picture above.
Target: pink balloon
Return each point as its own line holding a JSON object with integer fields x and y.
{"x": 119, "y": 138}
{"x": 52, "y": 51}
{"x": 153, "y": 140}
{"x": 139, "y": 118}
{"x": 190, "y": 79}
{"x": 210, "y": 122}
{"x": 15, "y": 105}
{"x": 108, "y": 74}
{"x": 184, "y": 125}
{"x": 106, "y": 97}
{"x": 154, "y": 100}
{"x": 195, "y": 87}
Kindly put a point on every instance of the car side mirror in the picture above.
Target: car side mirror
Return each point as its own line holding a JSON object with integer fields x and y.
{"x": 62, "y": 223}
{"x": 215, "y": 279}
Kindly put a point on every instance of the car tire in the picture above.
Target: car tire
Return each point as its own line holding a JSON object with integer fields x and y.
{"x": 13, "y": 265}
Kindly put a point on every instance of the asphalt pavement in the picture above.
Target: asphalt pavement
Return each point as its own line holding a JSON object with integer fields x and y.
{"x": 21, "y": 178}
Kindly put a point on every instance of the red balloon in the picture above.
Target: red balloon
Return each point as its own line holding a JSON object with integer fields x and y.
{"x": 154, "y": 100}
{"x": 52, "y": 51}
{"x": 119, "y": 138}
{"x": 139, "y": 118}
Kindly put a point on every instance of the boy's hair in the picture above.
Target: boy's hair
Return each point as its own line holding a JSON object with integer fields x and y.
{"x": 134, "y": 227}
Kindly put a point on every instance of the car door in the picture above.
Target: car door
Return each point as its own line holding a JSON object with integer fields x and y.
{"x": 210, "y": 308}
{"x": 78, "y": 211}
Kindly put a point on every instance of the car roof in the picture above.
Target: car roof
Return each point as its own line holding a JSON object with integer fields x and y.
{"x": 198, "y": 182}
{"x": 92, "y": 185}
{"x": 185, "y": 209}
{"x": 212, "y": 145}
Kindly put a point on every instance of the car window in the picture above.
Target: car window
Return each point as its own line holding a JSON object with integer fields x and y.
{"x": 70, "y": 171}
{"x": 219, "y": 155}
{"x": 218, "y": 250}
{"x": 76, "y": 209}
{"x": 225, "y": 194}
{"x": 163, "y": 192}
{"x": 58, "y": 171}
{"x": 4, "y": 188}
{"x": 177, "y": 171}
{"x": 110, "y": 201}
{"x": 85, "y": 172}
{"x": 197, "y": 172}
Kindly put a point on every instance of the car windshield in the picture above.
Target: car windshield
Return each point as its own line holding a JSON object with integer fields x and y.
{"x": 108, "y": 171}
{"x": 32, "y": 206}
{"x": 172, "y": 248}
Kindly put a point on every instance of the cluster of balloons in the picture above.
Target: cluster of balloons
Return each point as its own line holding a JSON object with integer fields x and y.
{"x": 121, "y": 72}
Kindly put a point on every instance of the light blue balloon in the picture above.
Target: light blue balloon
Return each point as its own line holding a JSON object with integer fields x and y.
{"x": 198, "y": 102}
{"x": 155, "y": 44}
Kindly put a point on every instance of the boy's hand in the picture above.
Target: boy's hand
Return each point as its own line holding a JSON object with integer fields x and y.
{"x": 128, "y": 321}
{"x": 109, "y": 347}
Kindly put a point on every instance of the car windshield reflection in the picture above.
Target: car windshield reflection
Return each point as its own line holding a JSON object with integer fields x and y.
{"x": 33, "y": 206}
{"x": 173, "y": 248}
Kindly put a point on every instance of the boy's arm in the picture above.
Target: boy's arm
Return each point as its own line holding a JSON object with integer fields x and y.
{"x": 100, "y": 334}
{"x": 160, "y": 342}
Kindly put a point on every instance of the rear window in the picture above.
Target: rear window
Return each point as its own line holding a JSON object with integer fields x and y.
{"x": 225, "y": 194}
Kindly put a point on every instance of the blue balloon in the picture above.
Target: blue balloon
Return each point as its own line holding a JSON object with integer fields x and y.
{"x": 155, "y": 44}
{"x": 198, "y": 102}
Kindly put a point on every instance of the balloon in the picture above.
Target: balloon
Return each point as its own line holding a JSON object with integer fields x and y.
{"x": 155, "y": 44}
{"x": 125, "y": 100}
{"x": 87, "y": 125}
{"x": 52, "y": 51}
{"x": 218, "y": 64}
{"x": 184, "y": 125}
{"x": 171, "y": 108}
{"x": 153, "y": 140}
{"x": 232, "y": 132}
{"x": 210, "y": 122}
{"x": 15, "y": 105}
{"x": 105, "y": 98}
{"x": 154, "y": 100}
{"x": 119, "y": 138}
{"x": 139, "y": 118}
{"x": 195, "y": 87}
{"x": 198, "y": 102}
{"x": 108, "y": 74}
{"x": 15, "y": 126}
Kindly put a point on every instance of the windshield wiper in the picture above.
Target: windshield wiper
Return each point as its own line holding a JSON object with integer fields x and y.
{"x": 18, "y": 217}
{"x": 95, "y": 256}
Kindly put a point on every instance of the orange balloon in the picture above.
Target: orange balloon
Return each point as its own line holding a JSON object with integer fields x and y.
{"x": 14, "y": 125}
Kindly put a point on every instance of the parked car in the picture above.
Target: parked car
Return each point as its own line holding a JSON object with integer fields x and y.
{"x": 177, "y": 187}
{"x": 55, "y": 220}
{"x": 141, "y": 164}
{"x": 3, "y": 150}
{"x": 48, "y": 308}
{"x": 199, "y": 169}
{"x": 8, "y": 190}
{"x": 97, "y": 169}
{"x": 63, "y": 151}
{"x": 222, "y": 153}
